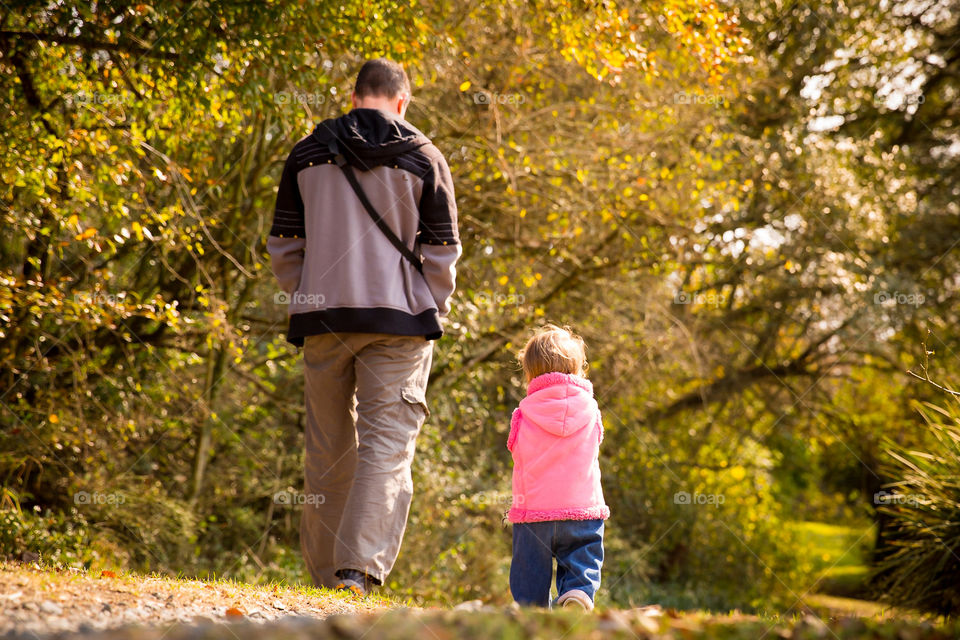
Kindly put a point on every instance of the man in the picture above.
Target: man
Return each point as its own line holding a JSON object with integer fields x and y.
{"x": 365, "y": 307}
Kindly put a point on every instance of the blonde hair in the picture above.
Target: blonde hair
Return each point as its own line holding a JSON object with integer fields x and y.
{"x": 553, "y": 349}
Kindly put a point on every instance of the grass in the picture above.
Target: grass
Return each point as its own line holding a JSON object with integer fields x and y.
{"x": 837, "y": 554}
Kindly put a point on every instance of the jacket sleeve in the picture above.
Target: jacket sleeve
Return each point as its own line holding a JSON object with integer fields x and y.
{"x": 514, "y": 428}
{"x": 439, "y": 238}
{"x": 287, "y": 234}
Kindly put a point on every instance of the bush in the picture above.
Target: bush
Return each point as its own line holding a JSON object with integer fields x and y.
{"x": 918, "y": 559}
{"x": 56, "y": 538}
{"x": 707, "y": 532}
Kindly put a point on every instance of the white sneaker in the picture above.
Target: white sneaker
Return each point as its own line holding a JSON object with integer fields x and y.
{"x": 575, "y": 598}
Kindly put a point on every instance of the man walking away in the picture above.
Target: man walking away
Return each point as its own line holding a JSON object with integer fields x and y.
{"x": 364, "y": 244}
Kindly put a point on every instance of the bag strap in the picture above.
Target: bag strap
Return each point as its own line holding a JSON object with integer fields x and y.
{"x": 368, "y": 206}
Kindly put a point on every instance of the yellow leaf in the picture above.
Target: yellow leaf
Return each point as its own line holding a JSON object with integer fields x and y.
{"x": 503, "y": 280}
{"x": 53, "y": 418}
{"x": 464, "y": 85}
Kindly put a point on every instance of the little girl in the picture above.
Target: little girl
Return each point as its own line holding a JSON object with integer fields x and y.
{"x": 558, "y": 508}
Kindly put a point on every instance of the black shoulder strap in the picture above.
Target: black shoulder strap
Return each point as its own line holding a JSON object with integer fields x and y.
{"x": 383, "y": 226}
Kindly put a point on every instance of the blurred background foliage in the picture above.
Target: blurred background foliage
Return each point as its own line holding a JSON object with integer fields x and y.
{"x": 750, "y": 213}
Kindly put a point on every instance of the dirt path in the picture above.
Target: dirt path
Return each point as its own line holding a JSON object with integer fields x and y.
{"x": 46, "y": 604}
{"x": 35, "y": 600}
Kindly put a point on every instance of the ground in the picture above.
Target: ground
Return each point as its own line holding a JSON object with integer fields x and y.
{"x": 37, "y": 602}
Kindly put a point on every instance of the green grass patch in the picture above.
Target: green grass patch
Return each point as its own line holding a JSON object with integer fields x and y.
{"x": 836, "y": 555}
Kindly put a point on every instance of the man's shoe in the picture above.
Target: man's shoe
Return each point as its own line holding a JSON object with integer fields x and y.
{"x": 575, "y": 598}
{"x": 354, "y": 581}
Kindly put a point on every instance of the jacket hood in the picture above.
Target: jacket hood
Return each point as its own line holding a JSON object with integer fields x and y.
{"x": 560, "y": 403}
{"x": 369, "y": 137}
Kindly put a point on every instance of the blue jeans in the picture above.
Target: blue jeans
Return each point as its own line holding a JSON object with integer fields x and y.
{"x": 576, "y": 544}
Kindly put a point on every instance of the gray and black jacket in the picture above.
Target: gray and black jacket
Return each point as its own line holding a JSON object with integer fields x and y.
{"x": 339, "y": 272}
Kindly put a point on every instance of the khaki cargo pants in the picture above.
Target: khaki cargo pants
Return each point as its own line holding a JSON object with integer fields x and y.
{"x": 365, "y": 406}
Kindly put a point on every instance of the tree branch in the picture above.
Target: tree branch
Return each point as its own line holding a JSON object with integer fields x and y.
{"x": 91, "y": 44}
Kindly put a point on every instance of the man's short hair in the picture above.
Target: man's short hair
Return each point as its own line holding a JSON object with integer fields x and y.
{"x": 381, "y": 77}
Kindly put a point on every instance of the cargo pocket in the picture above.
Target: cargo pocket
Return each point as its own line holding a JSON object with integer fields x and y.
{"x": 415, "y": 396}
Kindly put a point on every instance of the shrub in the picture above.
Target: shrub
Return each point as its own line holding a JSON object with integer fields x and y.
{"x": 918, "y": 559}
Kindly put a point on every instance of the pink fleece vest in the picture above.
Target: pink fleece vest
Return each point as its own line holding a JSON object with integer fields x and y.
{"x": 555, "y": 437}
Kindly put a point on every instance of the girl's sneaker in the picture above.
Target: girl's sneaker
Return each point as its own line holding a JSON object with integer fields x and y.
{"x": 575, "y": 598}
{"x": 354, "y": 581}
